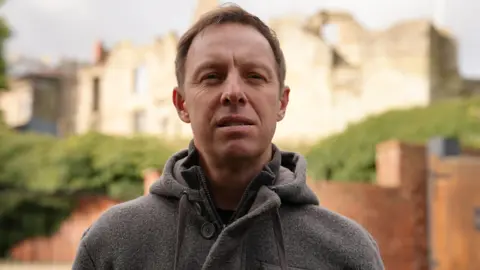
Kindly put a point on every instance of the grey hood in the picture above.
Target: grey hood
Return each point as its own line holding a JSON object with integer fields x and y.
{"x": 282, "y": 181}
{"x": 285, "y": 174}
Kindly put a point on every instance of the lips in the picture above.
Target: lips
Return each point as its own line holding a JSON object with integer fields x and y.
{"x": 232, "y": 121}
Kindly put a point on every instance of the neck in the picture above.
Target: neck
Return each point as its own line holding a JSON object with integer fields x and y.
{"x": 229, "y": 180}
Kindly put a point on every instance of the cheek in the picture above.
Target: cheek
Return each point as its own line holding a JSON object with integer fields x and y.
{"x": 266, "y": 111}
{"x": 272, "y": 105}
{"x": 199, "y": 112}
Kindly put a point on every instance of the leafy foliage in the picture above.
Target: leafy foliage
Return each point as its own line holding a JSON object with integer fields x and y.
{"x": 3, "y": 125}
{"x": 42, "y": 177}
{"x": 350, "y": 156}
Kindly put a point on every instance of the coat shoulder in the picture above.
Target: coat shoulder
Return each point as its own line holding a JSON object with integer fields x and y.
{"x": 132, "y": 220}
{"x": 340, "y": 238}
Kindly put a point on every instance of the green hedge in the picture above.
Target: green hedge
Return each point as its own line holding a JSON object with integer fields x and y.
{"x": 41, "y": 177}
{"x": 350, "y": 156}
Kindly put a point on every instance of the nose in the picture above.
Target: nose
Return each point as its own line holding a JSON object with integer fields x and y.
{"x": 233, "y": 93}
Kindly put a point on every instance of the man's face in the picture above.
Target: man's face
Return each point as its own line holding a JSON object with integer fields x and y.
{"x": 231, "y": 93}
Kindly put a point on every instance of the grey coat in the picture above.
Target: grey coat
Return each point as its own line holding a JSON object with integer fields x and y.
{"x": 278, "y": 225}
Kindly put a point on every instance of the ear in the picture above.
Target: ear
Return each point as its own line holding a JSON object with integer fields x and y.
{"x": 284, "y": 98}
{"x": 179, "y": 103}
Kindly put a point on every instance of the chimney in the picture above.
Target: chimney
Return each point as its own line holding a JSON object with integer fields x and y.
{"x": 99, "y": 52}
{"x": 388, "y": 161}
{"x": 149, "y": 176}
{"x": 400, "y": 164}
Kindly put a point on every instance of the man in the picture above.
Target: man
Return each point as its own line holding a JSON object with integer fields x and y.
{"x": 232, "y": 200}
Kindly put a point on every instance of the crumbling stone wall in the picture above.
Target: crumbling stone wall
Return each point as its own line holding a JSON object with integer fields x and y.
{"x": 339, "y": 73}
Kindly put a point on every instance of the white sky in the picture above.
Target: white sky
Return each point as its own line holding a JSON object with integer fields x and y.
{"x": 56, "y": 28}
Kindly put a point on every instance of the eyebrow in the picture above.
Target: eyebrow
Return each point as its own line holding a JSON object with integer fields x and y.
{"x": 208, "y": 64}
{"x": 213, "y": 63}
{"x": 257, "y": 64}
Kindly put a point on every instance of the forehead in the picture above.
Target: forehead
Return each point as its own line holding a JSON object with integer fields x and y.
{"x": 229, "y": 42}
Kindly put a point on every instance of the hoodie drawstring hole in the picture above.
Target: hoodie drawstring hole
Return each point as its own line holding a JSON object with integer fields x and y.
{"x": 208, "y": 230}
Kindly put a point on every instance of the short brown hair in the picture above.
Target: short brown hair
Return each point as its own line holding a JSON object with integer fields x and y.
{"x": 230, "y": 13}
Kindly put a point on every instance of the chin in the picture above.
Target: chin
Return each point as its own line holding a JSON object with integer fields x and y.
{"x": 238, "y": 149}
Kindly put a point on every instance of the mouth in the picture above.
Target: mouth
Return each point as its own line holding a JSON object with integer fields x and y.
{"x": 234, "y": 121}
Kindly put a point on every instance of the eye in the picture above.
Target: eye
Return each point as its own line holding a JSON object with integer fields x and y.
{"x": 255, "y": 76}
{"x": 211, "y": 76}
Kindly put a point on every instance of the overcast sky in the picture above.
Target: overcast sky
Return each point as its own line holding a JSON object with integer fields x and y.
{"x": 56, "y": 28}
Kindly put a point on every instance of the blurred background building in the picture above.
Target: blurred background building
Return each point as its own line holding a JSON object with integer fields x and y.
{"x": 342, "y": 74}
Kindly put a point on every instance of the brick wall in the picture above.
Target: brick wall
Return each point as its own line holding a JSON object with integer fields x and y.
{"x": 455, "y": 188}
{"x": 393, "y": 209}
{"x": 383, "y": 211}
{"x": 62, "y": 246}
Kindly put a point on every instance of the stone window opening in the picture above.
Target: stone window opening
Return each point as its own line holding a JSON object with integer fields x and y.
{"x": 139, "y": 121}
{"x": 140, "y": 80}
{"x": 96, "y": 94}
{"x": 330, "y": 33}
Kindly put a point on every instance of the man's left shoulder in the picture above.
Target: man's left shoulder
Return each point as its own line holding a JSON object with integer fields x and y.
{"x": 336, "y": 234}
{"x": 317, "y": 219}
